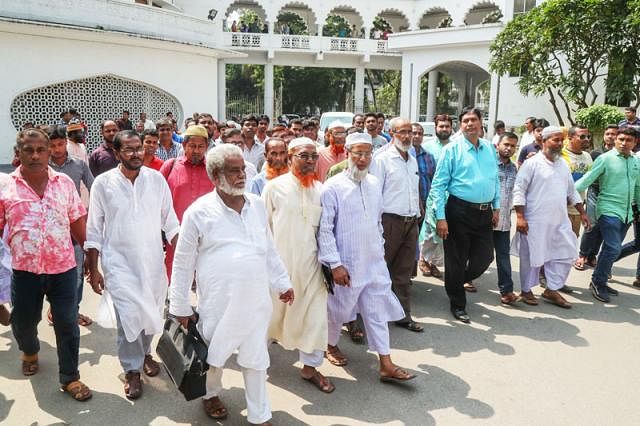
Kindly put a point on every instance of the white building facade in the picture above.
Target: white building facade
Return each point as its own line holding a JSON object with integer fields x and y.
{"x": 155, "y": 56}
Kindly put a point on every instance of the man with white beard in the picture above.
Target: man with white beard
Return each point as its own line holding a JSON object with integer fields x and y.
{"x": 223, "y": 233}
{"x": 397, "y": 172}
{"x": 543, "y": 187}
{"x": 350, "y": 243}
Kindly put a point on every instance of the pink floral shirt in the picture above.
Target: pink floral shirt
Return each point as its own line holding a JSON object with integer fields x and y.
{"x": 39, "y": 228}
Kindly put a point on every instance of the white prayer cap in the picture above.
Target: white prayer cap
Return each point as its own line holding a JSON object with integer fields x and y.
{"x": 302, "y": 141}
{"x": 550, "y": 130}
{"x": 356, "y": 138}
{"x": 338, "y": 123}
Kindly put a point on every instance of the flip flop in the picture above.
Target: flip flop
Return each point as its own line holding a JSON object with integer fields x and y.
{"x": 394, "y": 379}
{"x": 30, "y": 365}
{"x": 84, "y": 320}
{"x": 411, "y": 326}
{"x": 317, "y": 380}
{"x": 579, "y": 264}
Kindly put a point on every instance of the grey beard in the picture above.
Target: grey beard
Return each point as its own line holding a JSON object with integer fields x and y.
{"x": 401, "y": 146}
{"x": 355, "y": 174}
{"x": 226, "y": 187}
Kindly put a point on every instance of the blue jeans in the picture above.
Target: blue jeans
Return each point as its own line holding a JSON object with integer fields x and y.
{"x": 27, "y": 293}
{"x": 591, "y": 239}
{"x": 501, "y": 242}
{"x": 78, "y": 253}
{"x": 631, "y": 248}
{"x": 613, "y": 231}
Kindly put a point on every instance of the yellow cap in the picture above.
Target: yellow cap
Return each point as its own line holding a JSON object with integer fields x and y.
{"x": 196, "y": 130}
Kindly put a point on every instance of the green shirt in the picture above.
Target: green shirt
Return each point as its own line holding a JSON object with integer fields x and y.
{"x": 619, "y": 179}
{"x": 337, "y": 168}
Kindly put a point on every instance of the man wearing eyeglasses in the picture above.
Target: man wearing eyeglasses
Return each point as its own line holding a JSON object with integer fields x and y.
{"x": 293, "y": 211}
{"x": 579, "y": 163}
{"x": 398, "y": 174}
{"x": 130, "y": 206}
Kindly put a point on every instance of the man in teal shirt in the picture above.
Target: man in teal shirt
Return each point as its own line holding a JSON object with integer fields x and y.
{"x": 618, "y": 173}
{"x": 468, "y": 171}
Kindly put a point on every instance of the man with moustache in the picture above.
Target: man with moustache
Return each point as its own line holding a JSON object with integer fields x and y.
{"x": 335, "y": 152}
{"x": 103, "y": 158}
{"x": 130, "y": 207}
{"x": 75, "y": 141}
{"x": 371, "y": 127}
{"x": 468, "y": 172}
{"x": 150, "y": 144}
{"x": 187, "y": 177}
{"x": 234, "y": 136}
{"x": 206, "y": 120}
{"x": 293, "y": 211}
{"x": 261, "y": 130}
{"x": 579, "y": 162}
{"x": 42, "y": 213}
{"x": 167, "y": 148}
{"x": 358, "y": 122}
{"x": 224, "y": 232}
{"x": 275, "y": 153}
{"x": 531, "y": 149}
{"x": 543, "y": 187}
{"x": 350, "y": 243}
{"x": 398, "y": 174}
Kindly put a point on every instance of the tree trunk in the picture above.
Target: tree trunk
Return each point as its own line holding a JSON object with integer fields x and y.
{"x": 552, "y": 101}
{"x": 373, "y": 90}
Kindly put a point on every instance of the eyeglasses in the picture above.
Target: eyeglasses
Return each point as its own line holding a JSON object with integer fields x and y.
{"x": 307, "y": 157}
{"x": 401, "y": 132}
{"x": 361, "y": 154}
{"x": 128, "y": 152}
{"x": 583, "y": 137}
{"x": 339, "y": 133}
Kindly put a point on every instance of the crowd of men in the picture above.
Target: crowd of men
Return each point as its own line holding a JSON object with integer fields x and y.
{"x": 287, "y": 235}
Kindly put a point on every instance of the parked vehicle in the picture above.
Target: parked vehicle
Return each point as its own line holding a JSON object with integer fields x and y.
{"x": 329, "y": 117}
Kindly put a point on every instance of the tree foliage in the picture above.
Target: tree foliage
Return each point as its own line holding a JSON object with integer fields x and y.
{"x": 334, "y": 24}
{"x": 598, "y": 117}
{"x": 296, "y": 24}
{"x": 561, "y": 49}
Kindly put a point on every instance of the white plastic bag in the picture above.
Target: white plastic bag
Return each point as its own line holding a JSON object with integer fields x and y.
{"x": 106, "y": 316}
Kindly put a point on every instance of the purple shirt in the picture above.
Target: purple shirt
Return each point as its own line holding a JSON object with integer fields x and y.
{"x": 102, "y": 159}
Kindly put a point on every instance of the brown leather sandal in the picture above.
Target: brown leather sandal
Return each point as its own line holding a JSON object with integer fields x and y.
{"x": 132, "y": 385}
{"x": 321, "y": 382}
{"x": 335, "y": 356}
{"x": 150, "y": 366}
{"x": 78, "y": 390}
{"x": 30, "y": 364}
{"x": 215, "y": 408}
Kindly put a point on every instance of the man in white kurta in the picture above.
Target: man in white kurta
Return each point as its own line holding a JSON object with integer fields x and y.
{"x": 293, "y": 209}
{"x": 350, "y": 243}
{"x": 542, "y": 189}
{"x": 130, "y": 206}
{"x": 225, "y": 240}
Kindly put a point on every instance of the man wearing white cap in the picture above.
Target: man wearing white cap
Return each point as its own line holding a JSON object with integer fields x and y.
{"x": 293, "y": 210}
{"x": 545, "y": 238}
{"x": 334, "y": 153}
{"x": 351, "y": 244}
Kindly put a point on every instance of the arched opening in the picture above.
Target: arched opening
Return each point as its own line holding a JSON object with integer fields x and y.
{"x": 388, "y": 21}
{"x": 436, "y": 17}
{"x": 343, "y": 21}
{"x": 245, "y": 16}
{"x": 456, "y": 84}
{"x": 484, "y": 12}
{"x": 96, "y": 99}
{"x": 296, "y": 19}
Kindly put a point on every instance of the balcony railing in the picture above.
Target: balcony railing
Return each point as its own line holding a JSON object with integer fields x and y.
{"x": 343, "y": 44}
{"x": 246, "y": 40}
{"x": 295, "y": 42}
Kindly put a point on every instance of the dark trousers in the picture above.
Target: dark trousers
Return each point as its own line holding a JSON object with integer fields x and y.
{"x": 27, "y": 293}
{"x": 631, "y": 248}
{"x": 400, "y": 241}
{"x": 613, "y": 231}
{"x": 502, "y": 244}
{"x": 591, "y": 239}
{"x": 468, "y": 250}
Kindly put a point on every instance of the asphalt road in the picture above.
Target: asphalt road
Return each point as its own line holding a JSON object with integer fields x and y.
{"x": 511, "y": 366}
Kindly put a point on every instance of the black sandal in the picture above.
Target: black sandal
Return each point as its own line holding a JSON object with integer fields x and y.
{"x": 411, "y": 326}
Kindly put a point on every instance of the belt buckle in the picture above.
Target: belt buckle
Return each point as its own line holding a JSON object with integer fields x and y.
{"x": 484, "y": 206}
{"x": 408, "y": 219}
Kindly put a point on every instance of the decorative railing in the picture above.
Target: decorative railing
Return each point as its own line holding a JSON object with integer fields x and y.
{"x": 344, "y": 44}
{"x": 246, "y": 40}
{"x": 295, "y": 42}
{"x": 382, "y": 46}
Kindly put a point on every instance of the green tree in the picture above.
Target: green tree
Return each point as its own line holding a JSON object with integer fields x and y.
{"x": 385, "y": 90}
{"x": 565, "y": 47}
{"x": 623, "y": 81}
{"x": 334, "y": 24}
{"x": 296, "y": 24}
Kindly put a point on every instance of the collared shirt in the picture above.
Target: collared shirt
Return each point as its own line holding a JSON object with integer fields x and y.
{"x": 627, "y": 123}
{"x": 426, "y": 170}
{"x": 77, "y": 150}
{"x": 103, "y": 158}
{"x": 619, "y": 179}
{"x": 77, "y": 170}
{"x": 254, "y": 155}
{"x": 39, "y": 228}
{"x": 507, "y": 176}
{"x": 156, "y": 163}
{"x": 400, "y": 182}
{"x": 187, "y": 182}
{"x": 532, "y": 148}
{"x": 256, "y": 185}
{"x": 124, "y": 124}
{"x": 174, "y": 151}
{"x": 468, "y": 173}
{"x": 434, "y": 146}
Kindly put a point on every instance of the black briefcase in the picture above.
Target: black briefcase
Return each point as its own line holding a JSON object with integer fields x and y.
{"x": 184, "y": 355}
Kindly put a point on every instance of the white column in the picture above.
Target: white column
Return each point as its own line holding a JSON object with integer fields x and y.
{"x": 406, "y": 94}
{"x": 432, "y": 88}
{"x": 359, "y": 92}
{"x": 494, "y": 106}
{"x": 222, "y": 91}
{"x": 268, "y": 89}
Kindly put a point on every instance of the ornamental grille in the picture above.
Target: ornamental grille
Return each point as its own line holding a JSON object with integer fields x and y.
{"x": 95, "y": 99}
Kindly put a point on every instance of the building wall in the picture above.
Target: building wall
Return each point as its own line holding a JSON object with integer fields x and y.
{"x": 31, "y": 61}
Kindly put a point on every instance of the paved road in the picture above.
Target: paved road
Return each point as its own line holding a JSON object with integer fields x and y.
{"x": 513, "y": 365}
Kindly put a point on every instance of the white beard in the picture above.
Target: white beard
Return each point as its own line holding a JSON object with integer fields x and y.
{"x": 355, "y": 174}
{"x": 226, "y": 187}
{"x": 401, "y": 147}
